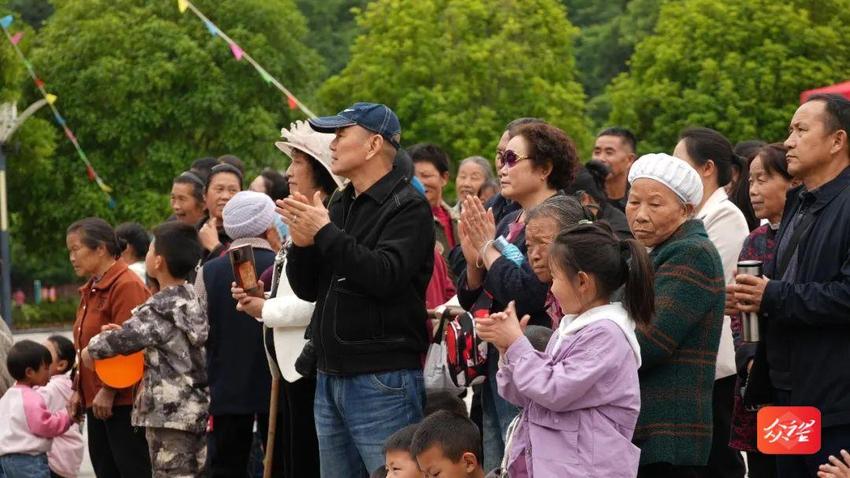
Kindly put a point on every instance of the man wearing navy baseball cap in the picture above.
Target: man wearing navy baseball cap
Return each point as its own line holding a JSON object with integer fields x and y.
{"x": 366, "y": 261}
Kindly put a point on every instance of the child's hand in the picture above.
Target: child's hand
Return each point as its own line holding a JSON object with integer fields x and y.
{"x": 502, "y": 329}
{"x": 85, "y": 357}
{"x": 836, "y": 468}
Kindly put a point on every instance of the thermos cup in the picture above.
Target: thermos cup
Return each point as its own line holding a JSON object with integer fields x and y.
{"x": 750, "y": 320}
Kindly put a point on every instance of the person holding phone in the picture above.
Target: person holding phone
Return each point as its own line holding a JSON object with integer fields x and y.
{"x": 239, "y": 377}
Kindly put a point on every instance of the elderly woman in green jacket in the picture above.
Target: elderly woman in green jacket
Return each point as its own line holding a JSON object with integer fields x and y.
{"x": 679, "y": 347}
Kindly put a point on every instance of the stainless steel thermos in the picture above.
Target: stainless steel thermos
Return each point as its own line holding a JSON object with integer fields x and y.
{"x": 750, "y": 320}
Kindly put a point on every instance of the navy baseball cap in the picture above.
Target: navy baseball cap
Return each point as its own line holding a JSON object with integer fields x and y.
{"x": 375, "y": 117}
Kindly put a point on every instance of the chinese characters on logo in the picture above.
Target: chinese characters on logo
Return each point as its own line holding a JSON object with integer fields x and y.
{"x": 789, "y": 430}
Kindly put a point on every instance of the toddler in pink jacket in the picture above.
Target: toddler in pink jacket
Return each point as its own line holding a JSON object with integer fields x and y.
{"x": 66, "y": 454}
{"x": 581, "y": 397}
{"x": 27, "y": 426}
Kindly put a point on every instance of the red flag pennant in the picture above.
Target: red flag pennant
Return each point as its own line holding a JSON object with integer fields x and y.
{"x": 39, "y": 83}
{"x": 90, "y": 172}
{"x": 16, "y": 38}
{"x": 292, "y": 103}
{"x": 237, "y": 52}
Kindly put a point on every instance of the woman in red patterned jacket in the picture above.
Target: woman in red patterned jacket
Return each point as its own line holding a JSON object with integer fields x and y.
{"x": 769, "y": 182}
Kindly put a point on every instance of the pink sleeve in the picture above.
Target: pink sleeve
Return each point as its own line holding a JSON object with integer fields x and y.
{"x": 42, "y": 423}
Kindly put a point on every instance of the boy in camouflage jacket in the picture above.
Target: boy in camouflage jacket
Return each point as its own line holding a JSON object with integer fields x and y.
{"x": 173, "y": 401}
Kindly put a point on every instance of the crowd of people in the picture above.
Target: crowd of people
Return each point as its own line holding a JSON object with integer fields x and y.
{"x": 607, "y": 294}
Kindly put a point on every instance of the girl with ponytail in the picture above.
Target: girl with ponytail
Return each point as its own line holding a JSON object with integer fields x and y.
{"x": 581, "y": 397}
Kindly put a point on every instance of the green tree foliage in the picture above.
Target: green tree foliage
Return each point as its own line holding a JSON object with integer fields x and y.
{"x": 34, "y": 12}
{"x": 737, "y": 66}
{"x": 332, "y": 29}
{"x": 456, "y": 71}
{"x": 147, "y": 90}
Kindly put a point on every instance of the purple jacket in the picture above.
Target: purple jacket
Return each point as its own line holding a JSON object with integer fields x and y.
{"x": 581, "y": 400}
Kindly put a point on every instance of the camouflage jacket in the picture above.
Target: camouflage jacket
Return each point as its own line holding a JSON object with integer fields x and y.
{"x": 172, "y": 330}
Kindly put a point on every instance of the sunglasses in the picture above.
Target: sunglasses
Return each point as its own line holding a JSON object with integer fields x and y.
{"x": 510, "y": 158}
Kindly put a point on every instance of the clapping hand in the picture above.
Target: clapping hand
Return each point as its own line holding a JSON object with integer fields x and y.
{"x": 304, "y": 217}
{"x": 502, "y": 328}
{"x": 836, "y": 468}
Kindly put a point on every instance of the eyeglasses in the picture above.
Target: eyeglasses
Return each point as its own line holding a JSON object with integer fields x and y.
{"x": 510, "y": 158}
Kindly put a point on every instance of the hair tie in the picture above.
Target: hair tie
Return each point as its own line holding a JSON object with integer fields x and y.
{"x": 193, "y": 177}
{"x": 585, "y": 221}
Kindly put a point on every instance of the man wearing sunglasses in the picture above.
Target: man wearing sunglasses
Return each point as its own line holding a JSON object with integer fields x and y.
{"x": 366, "y": 261}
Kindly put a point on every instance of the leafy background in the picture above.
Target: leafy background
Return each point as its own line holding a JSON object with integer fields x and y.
{"x": 147, "y": 90}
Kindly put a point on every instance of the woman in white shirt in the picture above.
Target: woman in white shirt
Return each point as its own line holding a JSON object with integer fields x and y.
{"x": 287, "y": 316}
{"x": 711, "y": 154}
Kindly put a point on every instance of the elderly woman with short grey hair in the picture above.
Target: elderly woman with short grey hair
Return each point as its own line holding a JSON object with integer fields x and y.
{"x": 679, "y": 347}
{"x": 472, "y": 174}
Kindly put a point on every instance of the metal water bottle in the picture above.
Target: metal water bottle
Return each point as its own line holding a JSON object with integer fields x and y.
{"x": 750, "y": 320}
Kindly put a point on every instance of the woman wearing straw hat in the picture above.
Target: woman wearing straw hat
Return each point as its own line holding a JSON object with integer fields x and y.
{"x": 287, "y": 317}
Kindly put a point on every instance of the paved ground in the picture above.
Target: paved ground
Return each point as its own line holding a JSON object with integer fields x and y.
{"x": 86, "y": 470}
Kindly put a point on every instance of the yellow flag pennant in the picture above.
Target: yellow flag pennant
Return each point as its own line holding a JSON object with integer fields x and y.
{"x": 51, "y": 98}
{"x": 182, "y": 5}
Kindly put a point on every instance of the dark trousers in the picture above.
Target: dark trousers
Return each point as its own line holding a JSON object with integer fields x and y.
{"x": 760, "y": 465}
{"x": 298, "y": 430}
{"x": 723, "y": 461}
{"x": 833, "y": 440}
{"x": 116, "y": 448}
{"x": 232, "y": 437}
{"x": 666, "y": 470}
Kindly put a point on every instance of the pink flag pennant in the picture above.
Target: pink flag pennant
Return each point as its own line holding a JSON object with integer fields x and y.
{"x": 16, "y": 38}
{"x": 237, "y": 52}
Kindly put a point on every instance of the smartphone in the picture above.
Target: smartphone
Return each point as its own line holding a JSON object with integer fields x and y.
{"x": 244, "y": 270}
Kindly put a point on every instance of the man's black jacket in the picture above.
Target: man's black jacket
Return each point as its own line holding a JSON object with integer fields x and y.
{"x": 367, "y": 273}
{"x": 806, "y": 323}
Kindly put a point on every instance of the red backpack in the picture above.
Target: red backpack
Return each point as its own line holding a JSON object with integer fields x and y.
{"x": 466, "y": 353}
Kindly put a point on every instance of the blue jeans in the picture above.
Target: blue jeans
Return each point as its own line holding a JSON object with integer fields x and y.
{"x": 497, "y": 413}
{"x": 355, "y": 415}
{"x": 19, "y": 465}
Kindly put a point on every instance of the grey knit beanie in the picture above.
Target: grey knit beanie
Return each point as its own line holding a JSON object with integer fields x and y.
{"x": 248, "y": 214}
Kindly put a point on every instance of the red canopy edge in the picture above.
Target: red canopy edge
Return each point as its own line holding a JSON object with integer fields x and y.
{"x": 838, "y": 88}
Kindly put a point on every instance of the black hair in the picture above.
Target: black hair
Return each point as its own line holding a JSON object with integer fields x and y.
{"x": 565, "y": 210}
{"x": 179, "y": 246}
{"x": 444, "y": 400}
{"x": 837, "y": 111}
{"x": 133, "y": 234}
{"x": 594, "y": 249}
{"x": 198, "y": 181}
{"x": 224, "y": 168}
{"x": 277, "y": 186}
{"x": 430, "y": 153}
{"x": 590, "y": 178}
{"x": 452, "y": 433}
{"x": 748, "y": 149}
{"x": 95, "y": 232}
{"x": 27, "y": 354}
{"x": 538, "y": 336}
{"x": 203, "y": 165}
{"x": 233, "y": 161}
{"x": 626, "y": 136}
{"x": 774, "y": 160}
{"x": 550, "y": 146}
{"x": 401, "y": 439}
{"x": 704, "y": 145}
{"x": 64, "y": 349}
{"x": 514, "y": 125}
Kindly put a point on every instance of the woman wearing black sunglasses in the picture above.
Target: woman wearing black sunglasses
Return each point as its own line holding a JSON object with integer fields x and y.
{"x": 538, "y": 161}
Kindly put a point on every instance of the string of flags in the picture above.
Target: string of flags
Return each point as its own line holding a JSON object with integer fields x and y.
{"x": 93, "y": 176}
{"x": 239, "y": 54}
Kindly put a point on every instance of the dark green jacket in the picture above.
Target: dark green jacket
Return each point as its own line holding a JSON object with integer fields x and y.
{"x": 679, "y": 350}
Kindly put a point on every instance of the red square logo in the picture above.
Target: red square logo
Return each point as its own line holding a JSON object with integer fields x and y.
{"x": 788, "y": 430}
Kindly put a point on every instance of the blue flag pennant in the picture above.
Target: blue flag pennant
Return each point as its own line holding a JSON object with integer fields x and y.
{"x": 6, "y": 21}
{"x": 59, "y": 119}
{"x": 211, "y": 28}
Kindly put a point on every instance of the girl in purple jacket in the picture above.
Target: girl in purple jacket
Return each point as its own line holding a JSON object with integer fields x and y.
{"x": 581, "y": 396}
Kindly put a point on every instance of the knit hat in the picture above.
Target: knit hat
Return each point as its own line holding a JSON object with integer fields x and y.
{"x": 301, "y": 137}
{"x": 672, "y": 172}
{"x": 248, "y": 214}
